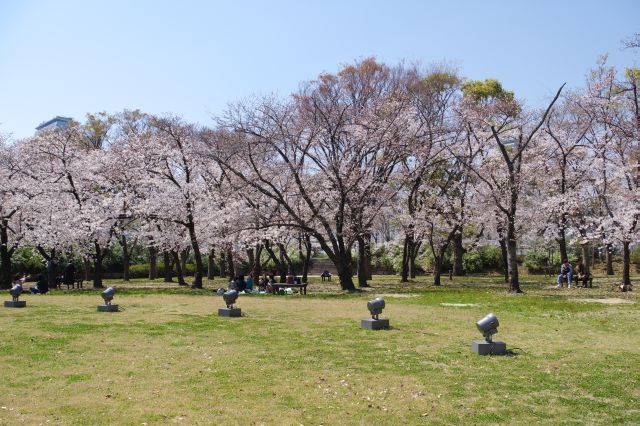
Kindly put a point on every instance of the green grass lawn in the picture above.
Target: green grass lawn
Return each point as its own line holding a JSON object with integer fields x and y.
{"x": 168, "y": 358}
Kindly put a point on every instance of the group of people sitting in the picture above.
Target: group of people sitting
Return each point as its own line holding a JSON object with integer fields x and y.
{"x": 41, "y": 287}
{"x": 41, "y": 282}
{"x": 264, "y": 285}
{"x": 567, "y": 274}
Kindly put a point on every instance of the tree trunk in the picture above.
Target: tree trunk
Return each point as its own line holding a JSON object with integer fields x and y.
{"x": 168, "y": 266}
{"x": 609, "y": 257}
{"x": 223, "y": 264}
{"x": 626, "y": 266}
{"x": 505, "y": 260}
{"x": 184, "y": 258}
{"x": 231, "y": 269}
{"x": 586, "y": 257}
{"x": 341, "y": 258}
{"x": 307, "y": 258}
{"x": 512, "y": 259}
{"x": 343, "y": 265}
{"x": 179, "y": 271}
{"x": 211, "y": 264}
{"x": 51, "y": 273}
{"x": 362, "y": 263}
{"x": 199, "y": 272}
{"x": 251, "y": 259}
{"x": 437, "y": 269}
{"x": 458, "y": 253}
{"x": 277, "y": 261}
{"x": 153, "y": 263}
{"x": 97, "y": 265}
{"x": 413, "y": 254}
{"x": 125, "y": 258}
{"x": 285, "y": 261}
{"x": 5, "y": 256}
{"x": 404, "y": 274}
{"x": 367, "y": 251}
{"x": 86, "y": 266}
{"x": 256, "y": 269}
{"x": 562, "y": 244}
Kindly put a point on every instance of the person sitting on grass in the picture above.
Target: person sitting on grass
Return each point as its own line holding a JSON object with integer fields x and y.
{"x": 565, "y": 272}
{"x": 42, "y": 286}
{"x": 265, "y": 285}
{"x": 241, "y": 284}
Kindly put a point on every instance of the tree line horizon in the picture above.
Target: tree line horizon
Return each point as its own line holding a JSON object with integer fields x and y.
{"x": 444, "y": 161}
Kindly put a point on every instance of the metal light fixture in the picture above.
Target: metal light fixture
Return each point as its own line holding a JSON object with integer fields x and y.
{"x": 15, "y": 301}
{"x": 107, "y": 296}
{"x": 375, "y": 307}
{"x": 488, "y": 326}
{"x": 230, "y": 298}
{"x": 16, "y": 291}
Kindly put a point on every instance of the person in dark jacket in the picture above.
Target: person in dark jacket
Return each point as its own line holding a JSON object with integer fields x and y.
{"x": 241, "y": 284}
{"x": 565, "y": 273}
{"x": 42, "y": 286}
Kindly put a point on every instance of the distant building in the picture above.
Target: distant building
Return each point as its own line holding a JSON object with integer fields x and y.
{"x": 56, "y": 122}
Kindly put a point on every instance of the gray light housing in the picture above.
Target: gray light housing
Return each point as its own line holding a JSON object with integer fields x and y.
{"x": 375, "y": 307}
{"x": 16, "y": 291}
{"x": 107, "y": 295}
{"x": 488, "y": 326}
{"x": 230, "y": 298}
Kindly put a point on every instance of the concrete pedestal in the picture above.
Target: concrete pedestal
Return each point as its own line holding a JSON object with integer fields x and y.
{"x": 375, "y": 324}
{"x": 107, "y": 308}
{"x": 229, "y": 312}
{"x": 482, "y": 347}
{"x": 12, "y": 304}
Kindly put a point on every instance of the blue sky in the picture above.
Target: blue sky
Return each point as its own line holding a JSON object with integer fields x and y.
{"x": 194, "y": 57}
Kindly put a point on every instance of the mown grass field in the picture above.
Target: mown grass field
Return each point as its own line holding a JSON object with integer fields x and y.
{"x": 168, "y": 358}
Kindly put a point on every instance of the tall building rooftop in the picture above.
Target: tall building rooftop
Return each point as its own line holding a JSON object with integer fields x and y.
{"x": 56, "y": 122}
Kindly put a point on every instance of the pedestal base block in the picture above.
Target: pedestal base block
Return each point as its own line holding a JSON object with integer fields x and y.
{"x": 482, "y": 347}
{"x": 375, "y": 324}
{"x": 12, "y": 304}
{"x": 107, "y": 308}
{"x": 229, "y": 312}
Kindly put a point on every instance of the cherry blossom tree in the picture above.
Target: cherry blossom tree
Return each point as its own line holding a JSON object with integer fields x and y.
{"x": 503, "y": 134}
{"x": 566, "y": 170}
{"x": 331, "y": 149}
{"x": 170, "y": 176}
{"x": 14, "y": 200}
{"x": 613, "y": 103}
{"x": 432, "y": 97}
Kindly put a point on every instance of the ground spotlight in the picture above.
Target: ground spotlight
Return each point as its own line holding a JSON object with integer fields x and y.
{"x": 230, "y": 298}
{"x": 107, "y": 296}
{"x": 15, "y": 292}
{"x": 488, "y": 326}
{"x": 375, "y": 307}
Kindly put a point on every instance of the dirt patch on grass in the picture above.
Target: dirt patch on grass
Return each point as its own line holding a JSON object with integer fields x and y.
{"x": 396, "y": 295}
{"x": 460, "y": 305}
{"x": 609, "y": 301}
